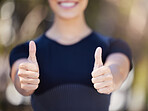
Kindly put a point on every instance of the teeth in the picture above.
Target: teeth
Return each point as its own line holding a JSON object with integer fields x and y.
{"x": 67, "y": 4}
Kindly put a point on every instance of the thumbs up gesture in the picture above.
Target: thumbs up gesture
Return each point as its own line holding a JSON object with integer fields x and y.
{"x": 28, "y": 71}
{"x": 102, "y": 77}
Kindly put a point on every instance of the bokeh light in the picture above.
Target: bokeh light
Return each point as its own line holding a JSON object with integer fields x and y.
{"x": 22, "y": 20}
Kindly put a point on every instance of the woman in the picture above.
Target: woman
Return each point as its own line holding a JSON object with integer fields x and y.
{"x": 59, "y": 69}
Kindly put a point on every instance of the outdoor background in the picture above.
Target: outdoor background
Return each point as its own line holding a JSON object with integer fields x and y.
{"x": 22, "y": 20}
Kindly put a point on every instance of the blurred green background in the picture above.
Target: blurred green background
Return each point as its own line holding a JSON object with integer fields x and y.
{"x": 22, "y": 20}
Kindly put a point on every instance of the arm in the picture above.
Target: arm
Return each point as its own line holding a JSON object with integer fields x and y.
{"x": 16, "y": 79}
{"x": 110, "y": 76}
{"x": 25, "y": 73}
{"x": 119, "y": 65}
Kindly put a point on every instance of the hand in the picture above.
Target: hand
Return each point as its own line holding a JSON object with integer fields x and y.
{"x": 28, "y": 72}
{"x": 102, "y": 75}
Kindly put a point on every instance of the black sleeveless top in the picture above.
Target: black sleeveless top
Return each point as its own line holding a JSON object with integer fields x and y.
{"x": 65, "y": 72}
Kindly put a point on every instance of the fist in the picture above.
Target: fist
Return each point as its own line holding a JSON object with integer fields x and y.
{"x": 102, "y": 77}
{"x": 28, "y": 72}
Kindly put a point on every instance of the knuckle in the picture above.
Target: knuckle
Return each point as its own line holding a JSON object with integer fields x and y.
{"x": 35, "y": 87}
{"x": 21, "y": 80}
{"x": 22, "y": 65}
{"x": 32, "y": 57}
{"x": 34, "y": 81}
{"x": 19, "y": 73}
{"x": 38, "y": 81}
{"x": 96, "y": 86}
{"x": 37, "y": 75}
{"x": 98, "y": 91}
{"x": 22, "y": 73}
{"x": 23, "y": 86}
{"x": 93, "y": 74}
{"x": 93, "y": 81}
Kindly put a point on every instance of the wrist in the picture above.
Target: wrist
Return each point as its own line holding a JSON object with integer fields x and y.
{"x": 117, "y": 77}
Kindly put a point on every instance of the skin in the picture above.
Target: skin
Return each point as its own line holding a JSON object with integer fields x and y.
{"x": 68, "y": 28}
{"x": 25, "y": 73}
{"x": 69, "y": 25}
{"x": 110, "y": 76}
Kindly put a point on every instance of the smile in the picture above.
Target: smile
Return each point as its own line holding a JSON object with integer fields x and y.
{"x": 67, "y": 4}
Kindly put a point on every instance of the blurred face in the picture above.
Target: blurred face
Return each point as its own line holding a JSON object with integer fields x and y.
{"x": 68, "y": 9}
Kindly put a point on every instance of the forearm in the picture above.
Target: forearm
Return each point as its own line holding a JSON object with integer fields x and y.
{"x": 119, "y": 66}
{"x": 118, "y": 75}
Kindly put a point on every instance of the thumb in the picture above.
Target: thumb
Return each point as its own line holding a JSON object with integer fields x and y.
{"x": 32, "y": 52}
{"x": 98, "y": 58}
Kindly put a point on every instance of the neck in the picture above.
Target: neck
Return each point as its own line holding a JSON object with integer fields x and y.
{"x": 68, "y": 31}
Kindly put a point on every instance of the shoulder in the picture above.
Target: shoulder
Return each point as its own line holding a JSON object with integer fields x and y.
{"x": 40, "y": 39}
{"x": 103, "y": 41}
{"x": 25, "y": 45}
{"x": 108, "y": 40}
{"x": 115, "y": 45}
{"x": 103, "y": 38}
{"x": 22, "y": 50}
